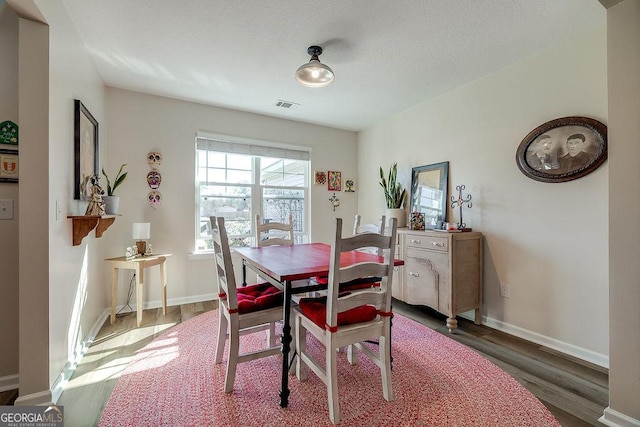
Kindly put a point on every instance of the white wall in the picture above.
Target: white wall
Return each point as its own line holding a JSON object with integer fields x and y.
{"x": 9, "y": 228}
{"x": 140, "y": 123}
{"x": 548, "y": 241}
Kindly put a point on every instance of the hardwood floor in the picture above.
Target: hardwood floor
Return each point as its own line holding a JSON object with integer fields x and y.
{"x": 575, "y": 391}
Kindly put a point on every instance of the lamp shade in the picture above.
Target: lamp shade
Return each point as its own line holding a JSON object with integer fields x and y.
{"x": 141, "y": 230}
{"x": 314, "y": 73}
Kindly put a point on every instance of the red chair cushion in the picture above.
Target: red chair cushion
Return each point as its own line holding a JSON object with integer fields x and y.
{"x": 321, "y": 280}
{"x": 258, "y": 297}
{"x": 316, "y": 310}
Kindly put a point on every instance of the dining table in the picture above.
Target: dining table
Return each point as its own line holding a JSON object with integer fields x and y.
{"x": 289, "y": 268}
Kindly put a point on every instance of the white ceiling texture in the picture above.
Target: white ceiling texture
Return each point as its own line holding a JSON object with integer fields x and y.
{"x": 387, "y": 55}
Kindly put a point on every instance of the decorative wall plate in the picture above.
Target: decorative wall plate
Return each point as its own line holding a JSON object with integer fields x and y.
{"x": 8, "y": 133}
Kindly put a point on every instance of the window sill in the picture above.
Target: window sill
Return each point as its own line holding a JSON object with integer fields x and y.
{"x": 195, "y": 256}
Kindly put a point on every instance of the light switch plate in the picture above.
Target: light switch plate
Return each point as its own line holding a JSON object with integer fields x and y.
{"x": 6, "y": 209}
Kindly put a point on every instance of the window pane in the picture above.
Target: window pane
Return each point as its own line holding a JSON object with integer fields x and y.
{"x": 282, "y": 172}
{"x": 233, "y": 203}
{"x": 280, "y": 202}
{"x": 215, "y": 159}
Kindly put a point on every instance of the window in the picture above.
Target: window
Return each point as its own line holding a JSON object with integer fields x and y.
{"x": 236, "y": 180}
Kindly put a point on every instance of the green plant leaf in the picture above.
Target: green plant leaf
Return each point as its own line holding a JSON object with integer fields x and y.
{"x": 120, "y": 177}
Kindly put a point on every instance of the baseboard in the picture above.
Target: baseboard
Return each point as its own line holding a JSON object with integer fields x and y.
{"x": 614, "y": 418}
{"x": 9, "y": 382}
{"x": 552, "y": 343}
{"x": 171, "y": 301}
{"x": 42, "y": 398}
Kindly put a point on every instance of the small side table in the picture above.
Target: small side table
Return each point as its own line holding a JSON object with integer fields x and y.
{"x": 138, "y": 264}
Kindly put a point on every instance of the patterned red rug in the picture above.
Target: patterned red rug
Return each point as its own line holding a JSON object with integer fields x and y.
{"x": 436, "y": 382}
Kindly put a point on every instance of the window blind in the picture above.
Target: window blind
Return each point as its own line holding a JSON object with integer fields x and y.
{"x": 253, "y": 148}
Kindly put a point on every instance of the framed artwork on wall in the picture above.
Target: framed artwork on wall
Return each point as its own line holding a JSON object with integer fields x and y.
{"x": 319, "y": 177}
{"x": 334, "y": 181}
{"x": 563, "y": 149}
{"x": 86, "y": 150}
{"x": 9, "y": 166}
{"x": 349, "y": 185}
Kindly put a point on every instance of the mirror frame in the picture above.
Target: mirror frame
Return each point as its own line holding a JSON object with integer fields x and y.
{"x": 443, "y": 168}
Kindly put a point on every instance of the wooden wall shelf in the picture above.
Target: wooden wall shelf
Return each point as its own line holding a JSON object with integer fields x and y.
{"x": 83, "y": 224}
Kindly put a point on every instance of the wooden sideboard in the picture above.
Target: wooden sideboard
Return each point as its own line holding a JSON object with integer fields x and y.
{"x": 442, "y": 271}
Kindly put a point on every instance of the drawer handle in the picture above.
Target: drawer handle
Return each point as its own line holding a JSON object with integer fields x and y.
{"x": 438, "y": 244}
{"x": 416, "y": 241}
{"x": 411, "y": 273}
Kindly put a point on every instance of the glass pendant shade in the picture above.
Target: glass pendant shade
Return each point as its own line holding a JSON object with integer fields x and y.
{"x": 314, "y": 73}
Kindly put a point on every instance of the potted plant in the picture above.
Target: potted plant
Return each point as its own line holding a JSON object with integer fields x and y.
{"x": 111, "y": 201}
{"x": 394, "y": 194}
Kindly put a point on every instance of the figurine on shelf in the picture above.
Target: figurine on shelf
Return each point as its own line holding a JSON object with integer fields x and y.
{"x": 96, "y": 204}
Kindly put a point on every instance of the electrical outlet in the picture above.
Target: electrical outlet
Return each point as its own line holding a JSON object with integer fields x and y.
{"x": 505, "y": 292}
{"x": 6, "y": 209}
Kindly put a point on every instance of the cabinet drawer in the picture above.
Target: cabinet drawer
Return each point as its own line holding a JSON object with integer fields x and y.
{"x": 422, "y": 241}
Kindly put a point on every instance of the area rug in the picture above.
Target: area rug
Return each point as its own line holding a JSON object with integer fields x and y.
{"x": 173, "y": 381}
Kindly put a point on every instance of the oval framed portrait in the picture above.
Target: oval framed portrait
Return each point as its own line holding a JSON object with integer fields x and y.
{"x": 563, "y": 149}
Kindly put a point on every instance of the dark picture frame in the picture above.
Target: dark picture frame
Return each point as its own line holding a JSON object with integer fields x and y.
{"x": 563, "y": 149}
{"x": 429, "y": 187}
{"x": 9, "y": 166}
{"x": 86, "y": 150}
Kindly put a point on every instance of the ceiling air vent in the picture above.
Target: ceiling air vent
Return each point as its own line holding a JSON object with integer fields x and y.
{"x": 287, "y": 104}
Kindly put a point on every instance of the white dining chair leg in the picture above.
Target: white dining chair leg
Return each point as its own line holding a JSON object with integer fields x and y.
{"x": 223, "y": 327}
{"x": 385, "y": 369}
{"x": 352, "y": 354}
{"x": 332, "y": 384}
{"x": 301, "y": 346}
{"x": 232, "y": 357}
{"x": 271, "y": 335}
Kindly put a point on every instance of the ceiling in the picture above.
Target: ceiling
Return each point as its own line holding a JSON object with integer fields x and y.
{"x": 387, "y": 55}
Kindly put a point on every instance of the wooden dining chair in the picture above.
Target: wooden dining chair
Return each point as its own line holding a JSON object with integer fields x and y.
{"x": 274, "y": 233}
{"x": 242, "y": 310}
{"x": 346, "y": 318}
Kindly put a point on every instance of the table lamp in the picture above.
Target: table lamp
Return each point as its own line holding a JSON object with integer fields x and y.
{"x": 141, "y": 231}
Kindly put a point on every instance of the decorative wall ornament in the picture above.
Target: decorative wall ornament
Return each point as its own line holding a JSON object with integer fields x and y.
{"x": 154, "y": 198}
{"x": 154, "y": 159}
{"x": 9, "y": 166}
{"x": 563, "y": 149}
{"x": 459, "y": 202}
{"x": 153, "y": 179}
{"x": 335, "y": 202}
{"x": 8, "y": 133}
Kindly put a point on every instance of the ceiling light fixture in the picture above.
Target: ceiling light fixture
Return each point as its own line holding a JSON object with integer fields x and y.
{"x": 313, "y": 73}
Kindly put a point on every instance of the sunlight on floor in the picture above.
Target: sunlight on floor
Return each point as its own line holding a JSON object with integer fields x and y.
{"x": 102, "y": 362}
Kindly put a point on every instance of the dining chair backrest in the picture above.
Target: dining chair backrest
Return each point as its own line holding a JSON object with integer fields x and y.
{"x": 379, "y": 296}
{"x": 369, "y": 228}
{"x": 224, "y": 264}
{"x": 273, "y": 233}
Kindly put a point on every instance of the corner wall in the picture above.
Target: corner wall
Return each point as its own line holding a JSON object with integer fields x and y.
{"x": 547, "y": 241}
{"x": 623, "y": 24}
{"x": 9, "y": 228}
